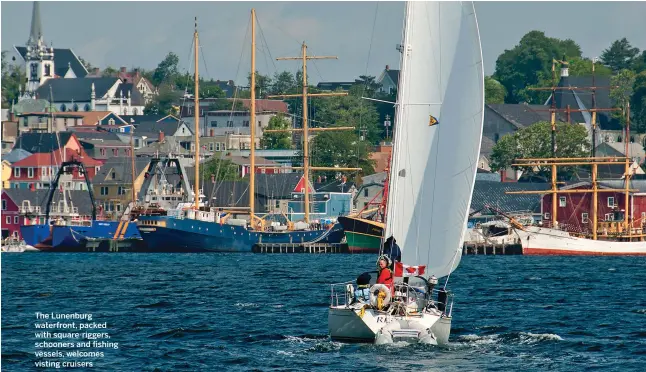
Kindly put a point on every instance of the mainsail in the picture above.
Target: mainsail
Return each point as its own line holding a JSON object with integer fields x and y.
{"x": 440, "y": 107}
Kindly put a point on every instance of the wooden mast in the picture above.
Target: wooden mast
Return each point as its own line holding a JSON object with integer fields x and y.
{"x": 132, "y": 164}
{"x": 627, "y": 226}
{"x": 553, "y": 125}
{"x": 197, "y": 123}
{"x": 306, "y": 167}
{"x": 595, "y": 186}
{"x": 252, "y": 119}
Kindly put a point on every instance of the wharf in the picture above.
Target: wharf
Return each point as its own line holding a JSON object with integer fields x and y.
{"x": 300, "y": 248}
{"x": 491, "y": 249}
{"x": 116, "y": 245}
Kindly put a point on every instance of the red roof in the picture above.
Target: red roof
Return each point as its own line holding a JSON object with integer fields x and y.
{"x": 266, "y": 105}
{"x": 52, "y": 159}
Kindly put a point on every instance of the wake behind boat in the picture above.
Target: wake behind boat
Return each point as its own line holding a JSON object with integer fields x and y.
{"x": 440, "y": 107}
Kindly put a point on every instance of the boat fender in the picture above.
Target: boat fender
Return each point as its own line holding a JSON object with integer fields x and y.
{"x": 380, "y": 296}
{"x": 349, "y": 292}
{"x": 385, "y": 335}
{"x": 363, "y": 311}
{"x": 426, "y": 335}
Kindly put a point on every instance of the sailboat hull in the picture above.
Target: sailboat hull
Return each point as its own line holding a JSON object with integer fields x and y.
{"x": 73, "y": 238}
{"x": 541, "y": 241}
{"x": 189, "y": 235}
{"x": 346, "y": 324}
{"x": 363, "y": 236}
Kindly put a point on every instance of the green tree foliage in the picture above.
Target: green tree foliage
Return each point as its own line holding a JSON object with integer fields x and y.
{"x": 620, "y": 55}
{"x": 341, "y": 149}
{"x": 88, "y": 66}
{"x": 638, "y": 103}
{"x": 529, "y": 62}
{"x": 13, "y": 76}
{"x": 163, "y": 102}
{"x": 166, "y": 70}
{"x": 222, "y": 169}
{"x": 283, "y": 83}
{"x": 277, "y": 141}
{"x": 640, "y": 63}
{"x": 109, "y": 72}
{"x": 534, "y": 142}
{"x": 368, "y": 86}
{"x": 624, "y": 80}
{"x": 227, "y": 104}
{"x": 263, "y": 84}
{"x": 494, "y": 91}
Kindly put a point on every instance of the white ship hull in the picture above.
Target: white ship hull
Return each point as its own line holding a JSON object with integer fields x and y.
{"x": 346, "y": 324}
{"x": 541, "y": 241}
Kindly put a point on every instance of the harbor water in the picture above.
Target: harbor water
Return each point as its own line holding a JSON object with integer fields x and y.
{"x": 238, "y": 312}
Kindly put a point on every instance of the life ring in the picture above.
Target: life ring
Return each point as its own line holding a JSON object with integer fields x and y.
{"x": 374, "y": 292}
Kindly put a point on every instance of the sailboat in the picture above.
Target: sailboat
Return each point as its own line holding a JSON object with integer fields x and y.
{"x": 440, "y": 107}
{"x": 205, "y": 229}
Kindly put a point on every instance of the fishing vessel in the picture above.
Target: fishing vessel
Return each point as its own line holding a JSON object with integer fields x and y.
{"x": 439, "y": 115}
{"x": 212, "y": 229}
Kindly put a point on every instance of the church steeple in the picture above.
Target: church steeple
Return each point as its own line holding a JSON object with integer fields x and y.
{"x": 39, "y": 59}
{"x": 36, "y": 34}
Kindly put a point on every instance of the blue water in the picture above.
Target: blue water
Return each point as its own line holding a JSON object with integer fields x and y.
{"x": 200, "y": 312}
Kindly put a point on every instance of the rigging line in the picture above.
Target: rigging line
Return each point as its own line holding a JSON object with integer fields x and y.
{"x": 262, "y": 37}
{"x": 237, "y": 90}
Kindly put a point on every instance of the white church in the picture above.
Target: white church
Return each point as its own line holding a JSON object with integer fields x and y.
{"x": 57, "y": 75}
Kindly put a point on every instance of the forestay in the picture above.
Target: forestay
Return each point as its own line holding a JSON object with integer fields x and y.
{"x": 437, "y": 139}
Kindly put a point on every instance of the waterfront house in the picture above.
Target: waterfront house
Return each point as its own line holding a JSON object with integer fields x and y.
{"x": 113, "y": 184}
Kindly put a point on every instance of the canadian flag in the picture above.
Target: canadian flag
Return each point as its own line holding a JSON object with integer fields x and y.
{"x": 402, "y": 270}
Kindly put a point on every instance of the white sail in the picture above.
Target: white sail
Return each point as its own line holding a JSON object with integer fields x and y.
{"x": 434, "y": 165}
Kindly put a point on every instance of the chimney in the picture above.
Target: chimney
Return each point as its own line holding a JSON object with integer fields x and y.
{"x": 123, "y": 69}
{"x": 387, "y": 68}
{"x": 161, "y": 136}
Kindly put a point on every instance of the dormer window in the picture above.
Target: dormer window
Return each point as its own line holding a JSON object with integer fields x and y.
{"x": 111, "y": 121}
{"x": 48, "y": 70}
{"x": 76, "y": 107}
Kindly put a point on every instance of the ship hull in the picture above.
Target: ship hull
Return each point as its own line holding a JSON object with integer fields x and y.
{"x": 73, "y": 238}
{"x": 162, "y": 233}
{"x": 540, "y": 241}
{"x": 363, "y": 236}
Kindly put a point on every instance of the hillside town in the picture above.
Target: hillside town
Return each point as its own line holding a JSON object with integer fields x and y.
{"x": 56, "y": 107}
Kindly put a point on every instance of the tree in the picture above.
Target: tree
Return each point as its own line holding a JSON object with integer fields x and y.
{"x": 640, "y": 63}
{"x": 166, "y": 70}
{"x": 368, "y": 85}
{"x": 528, "y": 62}
{"x": 620, "y": 55}
{"x": 494, "y": 91}
{"x": 583, "y": 67}
{"x": 109, "y": 72}
{"x": 341, "y": 149}
{"x": 263, "y": 84}
{"x": 222, "y": 169}
{"x": 283, "y": 83}
{"x": 162, "y": 103}
{"x": 227, "y": 104}
{"x": 638, "y": 103}
{"x": 534, "y": 142}
{"x": 13, "y": 76}
{"x": 88, "y": 66}
{"x": 624, "y": 80}
{"x": 277, "y": 141}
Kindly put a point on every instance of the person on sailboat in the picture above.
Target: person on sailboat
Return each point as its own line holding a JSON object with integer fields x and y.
{"x": 392, "y": 251}
{"x": 385, "y": 275}
{"x": 363, "y": 287}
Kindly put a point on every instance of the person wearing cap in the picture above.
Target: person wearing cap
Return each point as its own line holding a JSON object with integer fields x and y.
{"x": 385, "y": 275}
{"x": 363, "y": 287}
{"x": 392, "y": 250}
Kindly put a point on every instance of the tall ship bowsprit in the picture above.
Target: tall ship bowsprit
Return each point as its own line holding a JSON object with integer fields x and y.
{"x": 209, "y": 228}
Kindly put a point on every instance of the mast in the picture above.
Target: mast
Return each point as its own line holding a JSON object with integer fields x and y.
{"x": 252, "y": 119}
{"x": 306, "y": 167}
{"x": 132, "y": 164}
{"x": 627, "y": 176}
{"x": 197, "y": 123}
{"x": 553, "y": 125}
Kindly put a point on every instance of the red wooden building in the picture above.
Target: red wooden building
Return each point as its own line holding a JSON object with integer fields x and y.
{"x": 574, "y": 210}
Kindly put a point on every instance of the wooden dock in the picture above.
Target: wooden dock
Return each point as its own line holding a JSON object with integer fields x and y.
{"x": 300, "y": 248}
{"x": 491, "y": 249}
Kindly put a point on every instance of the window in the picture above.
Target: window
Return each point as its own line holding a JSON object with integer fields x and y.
{"x": 113, "y": 174}
{"x": 30, "y": 172}
{"x": 111, "y": 121}
{"x": 222, "y": 147}
{"x": 609, "y": 217}
{"x": 245, "y": 123}
{"x": 87, "y": 107}
{"x": 16, "y": 172}
{"x": 127, "y": 152}
{"x": 618, "y": 138}
{"x": 48, "y": 70}
{"x": 211, "y": 146}
{"x": 135, "y": 111}
{"x": 584, "y": 218}
{"x": 121, "y": 190}
{"x": 4, "y": 205}
{"x": 115, "y": 152}
{"x": 214, "y": 123}
{"x": 8, "y": 220}
{"x": 102, "y": 152}
{"x": 75, "y": 107}
{"x": 63, "y": 108}
{"x": 365, "y": 193}
{"x": 611, "y": 201}
{"x": 16, "y": 220}
{"x": 43, "y": 171}
{"x": 562, "y": 201}
{"x": 217, "y": 146}
{"x": 643, "y": 216}
{"x": 118, "y": 207}
{"x": 136, "y": 142}
{"x": 632, "y": 139}
{"x": 230, "y": 123}
{"x": 104, "y": 190}
{"x": 259, "y": 123}
{"x": 263, "y": 170}
{"x": 496, "y": 137}
{"x": 546, "y": 216}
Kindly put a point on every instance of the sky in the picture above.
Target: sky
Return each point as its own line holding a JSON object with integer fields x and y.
{"x": 362, "y": 34}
